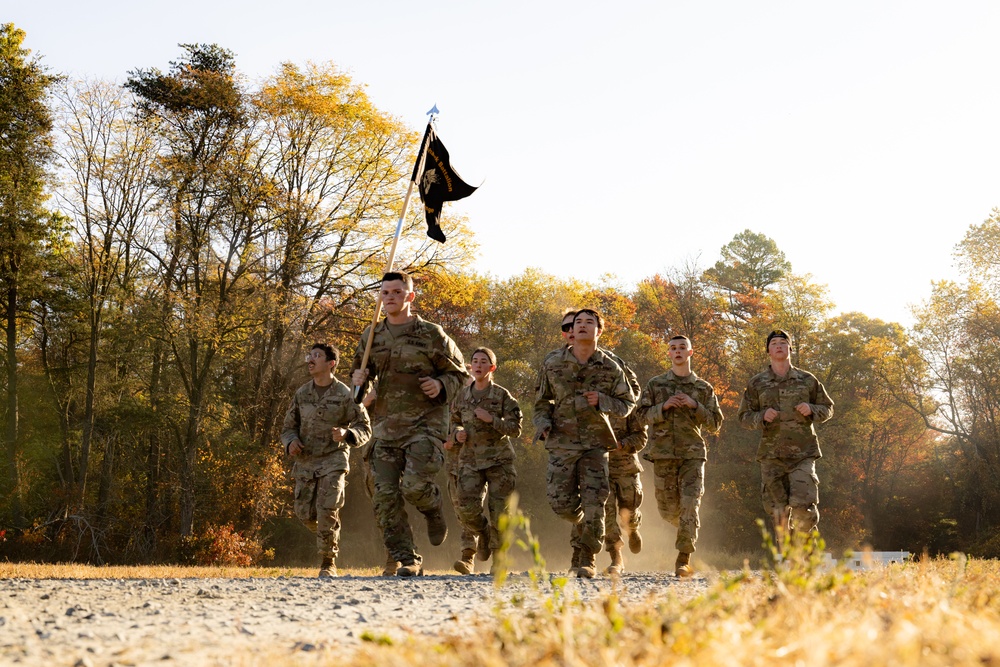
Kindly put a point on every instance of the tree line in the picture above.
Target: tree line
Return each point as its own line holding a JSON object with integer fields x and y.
{"x": 169, "y": 246}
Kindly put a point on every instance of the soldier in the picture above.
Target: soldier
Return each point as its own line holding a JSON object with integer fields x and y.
{"x": 621, "y": 513}
{"x": 680, "y": 408}
{"x": 452, "y": 453}
{"x": 579, "y": 388}
{"x": 625, "y": 495}
{"x": 784, "y": 402}
{"x": 484, "y": 417}
{"x": 320, "y": 425}
{"x": 391, "y": 565}
{"x": 418, "y": 369}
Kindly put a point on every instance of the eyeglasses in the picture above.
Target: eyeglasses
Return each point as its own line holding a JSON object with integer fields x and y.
{"x": 317, "y": 355}
{"x": 567, "y": 327}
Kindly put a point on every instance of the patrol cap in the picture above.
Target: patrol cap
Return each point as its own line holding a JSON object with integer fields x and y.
{"x": 777, "y": 333}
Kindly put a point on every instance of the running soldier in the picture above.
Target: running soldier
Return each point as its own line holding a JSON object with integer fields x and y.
{"x": 418, "y": 369}
{"x": 452, "y": 454}
{"x": 621, "y": 513}
{"x": 320, "y": 426}
{"x": 784, "y": 402}
{"x": 680, "y": 408}
{"x": 484, "y": 418}
{"x": 578, "y": 389}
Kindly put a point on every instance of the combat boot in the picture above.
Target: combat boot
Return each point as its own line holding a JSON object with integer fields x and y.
{"x": 391, "y": 565}
{"x": 634, "y": 541}
{"x": 437, "y": 529}
{"x": 588, "y": 565}
{"x": 410, "y": 569}
{"x": 483, "y": 551}
{"x": 574, "y": 563}
{"x": 617, "y": 562}
{"x": 327, "y": 569}
{"x": 466, "y": 564}
{"x": 682, "y": 568}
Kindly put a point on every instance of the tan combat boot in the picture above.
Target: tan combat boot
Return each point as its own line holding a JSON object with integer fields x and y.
{"x": 574, "y": 563}
{"x": 682, "y": 568}
{"x": 391, "y": 565}
{"x": 437, "y": 529}
{"x": 466, "y": 564}
{"x": 634, "y": 541}
{"x": 327, "y": 569}
{"x": 588, "y": 565}
{"x": 617, "y": 562}
{"x": 410, "y": 569}
{"x": 483, "y": 551}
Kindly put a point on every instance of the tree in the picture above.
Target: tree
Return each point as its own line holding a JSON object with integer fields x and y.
{"x": 204, "y": 255}
{"x": 750, "y": 264}
{"x": 25, "y": 154}
{"x": 106, "y": 159}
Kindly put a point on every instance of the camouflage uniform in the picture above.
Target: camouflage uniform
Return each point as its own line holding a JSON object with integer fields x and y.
{"x": 321, "y": 468}
{"x": 625, "y": 496}
{"x": 452, "y": 468}
{"x": 788, "y": 445}
{"x": 678, "y": 451}
{"x": 580, "y": 438}
{"x": 486, "y": 457}
{"x": 409, "y": 426}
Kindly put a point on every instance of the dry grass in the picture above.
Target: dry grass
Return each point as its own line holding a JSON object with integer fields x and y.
{"x": 941, "y": 612}
{"x": 932, "y": 613}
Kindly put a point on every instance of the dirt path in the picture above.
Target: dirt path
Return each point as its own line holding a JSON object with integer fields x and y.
{"x": 91, "y": 622}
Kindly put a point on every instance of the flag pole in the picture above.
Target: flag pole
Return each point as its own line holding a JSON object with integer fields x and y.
{"x": 417, "y": 171}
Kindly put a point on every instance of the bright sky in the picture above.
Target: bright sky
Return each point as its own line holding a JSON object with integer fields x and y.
{"x": 630, "y": 137}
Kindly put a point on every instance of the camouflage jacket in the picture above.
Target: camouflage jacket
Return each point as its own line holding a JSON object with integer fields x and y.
{"x": 561, "y": 407}
{"x": 629, "y": 431}
{"x": 398, "y": 363}
{"x": 678, "y": 433}
{"x": 311, "y": 418}
{"x": 789, "y": 436}
{"x": 487, "y": 444}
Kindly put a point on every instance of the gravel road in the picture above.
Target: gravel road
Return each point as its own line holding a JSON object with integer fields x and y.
{"x": 91, "y": 622}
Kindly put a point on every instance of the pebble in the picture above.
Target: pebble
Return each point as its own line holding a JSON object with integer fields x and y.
{"x": 212, "y": 621}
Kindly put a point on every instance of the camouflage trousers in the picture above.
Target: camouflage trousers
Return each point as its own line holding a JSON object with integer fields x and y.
{"x": 680, "y": 484}
{"x": 790, "y": 492}
{"x": 451, "y": 465}
{"x": 577, "y": 488}
{"x": 404, "y": 471}
{"x": 622, "y": 509}
{"x": 317, "y": 504}
{"x": 494, "y": 485}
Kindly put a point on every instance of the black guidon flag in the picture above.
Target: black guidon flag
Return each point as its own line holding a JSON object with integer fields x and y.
{"x": 438, "y": 183}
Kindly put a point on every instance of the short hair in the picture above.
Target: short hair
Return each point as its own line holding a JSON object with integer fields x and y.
{"x": 488, "y": 352}
{"x": 680, "y": 337}
{"x": 777, "y": 333}
{"x": 569, "y": 312}
{"x": 399, "y": 275}
{"x": 591, "y": 311}
{"x": 331, "y": 352}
